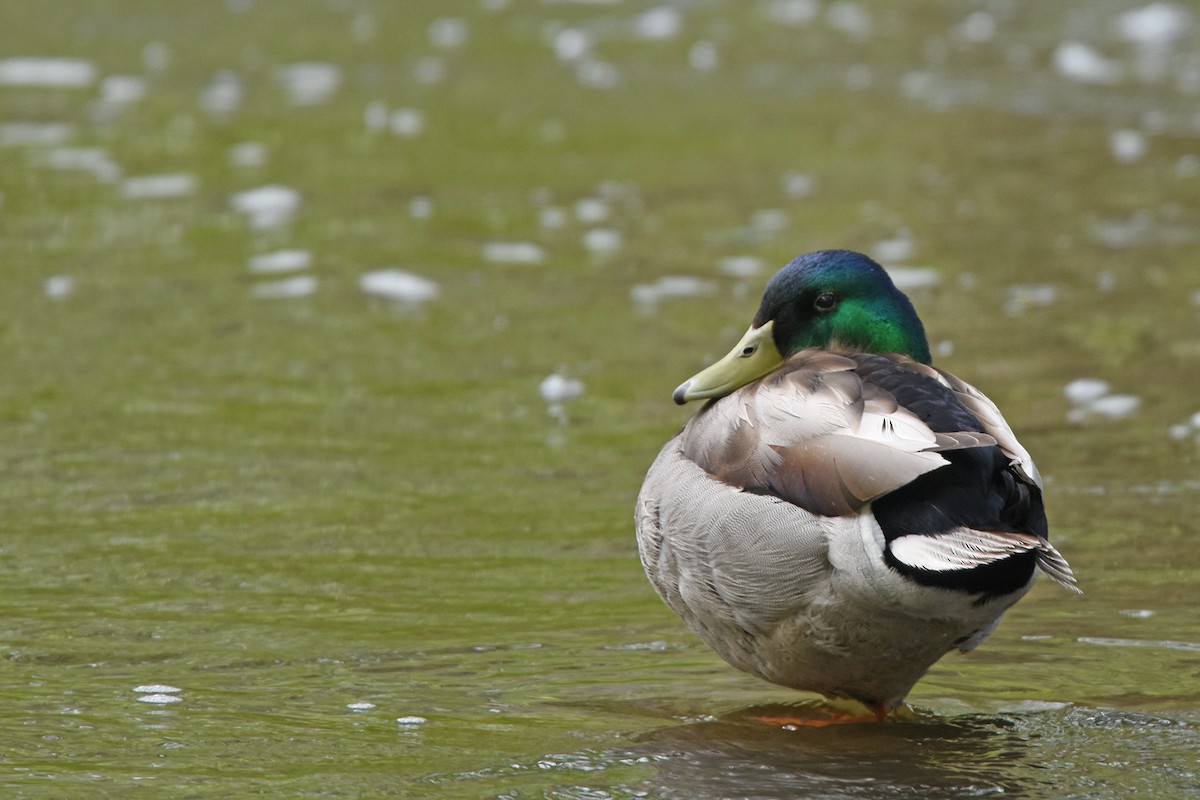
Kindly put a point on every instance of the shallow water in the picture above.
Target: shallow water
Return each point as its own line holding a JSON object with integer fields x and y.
{"x": 277, "y": 530}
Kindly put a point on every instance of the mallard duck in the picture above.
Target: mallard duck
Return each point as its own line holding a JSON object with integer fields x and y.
{"x": 840, "y": 514}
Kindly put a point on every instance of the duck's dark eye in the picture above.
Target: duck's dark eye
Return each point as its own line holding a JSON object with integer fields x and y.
{"x": 826, "y": 301}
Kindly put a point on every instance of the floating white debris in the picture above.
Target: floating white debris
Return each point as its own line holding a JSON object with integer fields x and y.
{"x": 57, "y": 287}
{"x": 703, "y": 56}
{"x": 597, "y": 75}
{"x": 658, "y": 24}
{"x": 248, "y": 154}
{"x": 591, "y": 210}
{"x": 1154, "y": 25}
{"x": 1077, "y": 61}
{"x": 407, "y": 122}
{"x": 310, "y": 83}
{"x": 977, "y": 28}
{"x": 61, "y": 73}
{"x": 375, "y": 115}
{"x": 156, "y": 57}
{"x": 513, "y": 253}
{"x": 899, "y": 248}
{"x": 1137, "y": 613}
{"x": 1128, "y": 146}
{"x": 448, "y": 32}
{"x": 160, "y": 699}
{"x": 648, "y": 295}
{"x": 913, "y": 279}
{"x": 791, "y": 12}
{"x": 299, "y": 286}
{"x": 1084, "y": 390}
{"x": 602, "y": 241}
{"x": 798, "y": 185}
{"x": 408, "y": 722}
{"x": 398, "y": 286}
{"x": 552, "y": 217}
{"x": 571, "y": 44}
{"x": 223, "y": 94}
{"x": 360, "y": 707}
{"x": 280, "y": 261}
{"x": 157, "y": 688}
{"x": 429, "y": 70}
{"x": 769, "y": 220}
{"x": 420, "y": 207}
{"x": 122, "y": 89}
{"x": 86, "y": 159}
{"x": 35, "y": 133}
{"x": 560, "y": 389}
{"x": 1115, "y": 406}
{"x": 740, "y": 266}
{"x": 267, "y": 206}
{"x": 156, "y": 187}
{"x": 1024, "y": 295}
{"x": 850, "y": 18}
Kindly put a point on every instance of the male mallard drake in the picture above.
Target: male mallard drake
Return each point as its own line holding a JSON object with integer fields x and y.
{"x": 841, "y": 514}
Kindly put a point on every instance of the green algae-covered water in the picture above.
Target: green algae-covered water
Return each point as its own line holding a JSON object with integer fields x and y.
{"x": 336, "y": 337}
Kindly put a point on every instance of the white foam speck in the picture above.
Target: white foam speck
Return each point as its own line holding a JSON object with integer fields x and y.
{"x": 398, "y": 286}
{"x": 769, "y": 220}
{"x": 552, "y": 217}
{"x": 1077, "y": 61}
{"x": 363, "y": 26}
{"x": 597, "y": 74}
{"x": 411, "y": 721}
{"x": 740, "y": 266}
{"x": 160, "y": 699}
{"x": 659, "y": 24}
{"x": 591, "y": 210}
{"x": 1115, "y": 406}
{"x": 1154, "y": 25}
{"x": 978, "y": 27}
{"x": 248, "y": 154}
{"x": 157, "y": 688}
{"x": 223, "y": 94}
{"x": 280, "y": 261}
{"x": 560, "y": 389}
{"x": 57, "y": 287}
{"x": 798, "y": 184}
{"x": 703, "y": 56}
{"x": 359, "y": 707}
{"x": 602, "y": 241}
{"x": 267, "y": 206}
{"x": 86, "y": 159}
{"x": 448, "y": 32}
{"x": 122, "y": 89}
{"x": 899, "y": 248}
{"x": 61, "y": 73}
{"x": 849, "y": 18}
{"x": 407, "y": 122}
{"x": 375, "y": 115}
{"x": 911, "y": 279}
{"x": 1128, "y": 146}
{"x": 429, "y": 70}
{"x": 1024, "y": 295}
{"x": 648, "y": 295}
{"x": 1085, "y": 390}
{"x": 513, "y": 253}
{"x": 571, "y": 44}
{"x": 420, "y": 207}
{"x": 23, "y": 134}
{"x": 155, "y": 187}
{"x": 791, "y": 12}
{"x": 299, "y": 286}
{"x": 1137, "y": 613}
{"x": 156, "y": 57}
{"x": 310, "y": 83}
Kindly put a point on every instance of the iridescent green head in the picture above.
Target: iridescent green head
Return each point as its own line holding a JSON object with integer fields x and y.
{"x": 831, "y": 298}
